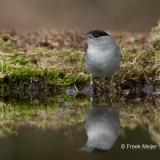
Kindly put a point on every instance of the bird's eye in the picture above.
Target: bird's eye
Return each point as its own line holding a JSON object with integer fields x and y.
{"x": 96, "y": 36}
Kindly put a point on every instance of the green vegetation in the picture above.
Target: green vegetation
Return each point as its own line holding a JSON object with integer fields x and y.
{"x": 64, "y": 67}
{"x": 56, "y": 67}
{"x": 50, "y": 113}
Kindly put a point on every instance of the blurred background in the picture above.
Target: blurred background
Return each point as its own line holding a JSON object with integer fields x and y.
{"x": 114, "y": 15}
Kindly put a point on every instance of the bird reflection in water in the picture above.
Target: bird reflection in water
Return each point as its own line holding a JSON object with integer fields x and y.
{"x": 102, "y": 125}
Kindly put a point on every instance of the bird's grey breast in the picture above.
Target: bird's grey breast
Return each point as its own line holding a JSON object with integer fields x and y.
{"x": 102, "y": 62}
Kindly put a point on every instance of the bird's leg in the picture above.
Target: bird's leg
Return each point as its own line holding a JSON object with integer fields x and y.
{"x": 91, "y": 102}
{"x": 89, "y": 89}
{"x": 110, "y": 79}
{"x": 110, "y": 102}
{"x": 91, "y": 80}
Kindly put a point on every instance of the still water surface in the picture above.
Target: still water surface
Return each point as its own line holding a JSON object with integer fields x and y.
{"x": 102, "y": 130}
{"x": 32, "y": 143}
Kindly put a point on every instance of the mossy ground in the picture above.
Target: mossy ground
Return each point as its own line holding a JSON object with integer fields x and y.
{"x": 64, "y": 66}
{"x": 58, "y": 62}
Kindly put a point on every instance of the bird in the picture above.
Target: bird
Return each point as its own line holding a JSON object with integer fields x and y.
{"x": 102, "y": 125}
{"x": 103, "y": 56}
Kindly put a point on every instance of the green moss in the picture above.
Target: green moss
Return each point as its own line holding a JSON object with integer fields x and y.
{"x": 55, "y": 67}
{"x": 65, "y": 67}
{"x": 6, "y": 44}
{"x": 48, "y": 113}
{"x": 155, "y": 31}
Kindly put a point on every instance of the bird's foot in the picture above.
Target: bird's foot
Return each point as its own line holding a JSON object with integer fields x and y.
{"x": 89, "y": 90}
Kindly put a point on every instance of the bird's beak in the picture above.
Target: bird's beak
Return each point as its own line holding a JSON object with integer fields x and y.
{"x": 83, "y": 36}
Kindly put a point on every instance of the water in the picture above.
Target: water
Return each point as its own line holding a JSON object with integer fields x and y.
{"x": 112, "y": 128}
{"x": 32, "y": 143}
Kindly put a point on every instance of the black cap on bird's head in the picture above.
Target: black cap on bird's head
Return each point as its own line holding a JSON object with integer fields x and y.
{"x": 97, "y": 33}
{"x": 94, "y": 33}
